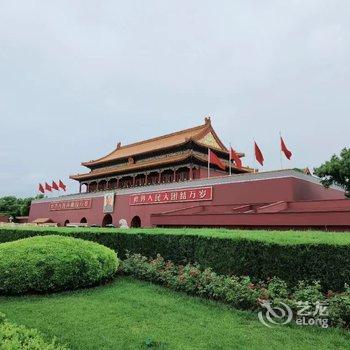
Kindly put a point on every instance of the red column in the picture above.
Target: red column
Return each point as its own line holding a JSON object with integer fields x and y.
{"x": 174, "y": 175}
{"x": 160, "y": 177}
{"x": 146, "y": 179}
{"x": 117, "y": 182}
{"x": 191, "y": 172}
{"x": 133, "y": 181}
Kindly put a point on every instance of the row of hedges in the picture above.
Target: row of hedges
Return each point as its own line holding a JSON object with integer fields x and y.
{"x": 261, "y": 260}
{"x": 241, "y": 293}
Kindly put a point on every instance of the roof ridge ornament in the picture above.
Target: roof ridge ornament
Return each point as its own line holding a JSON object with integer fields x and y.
{"x": 207, "y": 120}
{"x": 119, "y": 145}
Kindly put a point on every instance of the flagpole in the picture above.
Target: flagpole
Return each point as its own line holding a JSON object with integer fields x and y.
{"x": 281, "y": 159}
{"x": 208, "y": 163}
{"x": 255, "y": 162}
{"x": 230, "y": 160}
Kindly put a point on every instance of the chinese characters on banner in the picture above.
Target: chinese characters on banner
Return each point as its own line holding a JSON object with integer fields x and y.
{"x": 174, "y": 196}
{"x": 69, "y": 205}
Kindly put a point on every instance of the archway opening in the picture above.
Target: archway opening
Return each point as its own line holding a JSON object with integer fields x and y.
{"x": 66, "y": 223}
{"x": 83, "y": 221}
{"x": 136, "y": 221}
{"x": 107, "y": 220}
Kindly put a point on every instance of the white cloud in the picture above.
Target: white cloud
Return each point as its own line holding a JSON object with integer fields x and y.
{"x": 77, "y": 77}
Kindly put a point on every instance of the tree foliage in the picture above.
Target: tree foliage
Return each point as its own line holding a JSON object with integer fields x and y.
{"x": 336, "y": 171}
{"x": 13, "y": 206}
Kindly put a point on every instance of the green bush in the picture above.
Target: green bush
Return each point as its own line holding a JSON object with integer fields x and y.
{"x": 277, "y": 289}
{"x": 227, "y": 252}
{"x": 308, "y": 292}
{"x": 53, "y": 263}
{"x": 339, "y": 310}
{"x": 17, "y": 337}
{"x": 240, "y": 292}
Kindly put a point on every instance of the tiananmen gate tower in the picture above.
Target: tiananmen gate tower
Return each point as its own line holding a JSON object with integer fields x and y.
{"x": 176, "y": 157}
{"x": 165, "y": 182}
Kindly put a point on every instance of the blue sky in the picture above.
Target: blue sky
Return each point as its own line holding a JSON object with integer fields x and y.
{"x": 78, "y": 77}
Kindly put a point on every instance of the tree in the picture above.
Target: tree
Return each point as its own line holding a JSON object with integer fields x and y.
{"x": 13, "y": 206}
{"x": 336, "y": 171}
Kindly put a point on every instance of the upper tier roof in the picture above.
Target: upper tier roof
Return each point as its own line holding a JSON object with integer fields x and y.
{"x": 116, "y": 170}
{"x": 203, "y": 134}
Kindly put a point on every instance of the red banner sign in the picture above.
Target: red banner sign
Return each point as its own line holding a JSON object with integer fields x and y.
{"x": 174, "y": 196}
{"x": 71, "y": 205}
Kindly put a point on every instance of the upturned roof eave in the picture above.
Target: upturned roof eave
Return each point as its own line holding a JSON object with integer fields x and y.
{"x": 91, "y": 175}
{"x": 194, "y": 139}
{"x": 105, "y": 159}
{"x": 133, "y": 167}
{"x": 136, "y": 154}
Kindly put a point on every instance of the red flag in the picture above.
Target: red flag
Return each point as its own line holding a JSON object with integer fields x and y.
{"x": 285, "y": 150}
{"x": 48, "y": 187}
{"x": 41, "y": 188}
{"x": 62, "y": 185}
{"x": 55, "y": 186}
{"x": 258, "y": 154}
{"x": 213, "y": 159}
{"x": 234, "y": 156}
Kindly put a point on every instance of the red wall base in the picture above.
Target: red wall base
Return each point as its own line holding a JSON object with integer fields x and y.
{"x": 283, "y": 199}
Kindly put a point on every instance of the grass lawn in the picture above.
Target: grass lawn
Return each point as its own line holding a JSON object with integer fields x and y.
{"x": 278, "y": 237}
{"x": 127, "y": 312}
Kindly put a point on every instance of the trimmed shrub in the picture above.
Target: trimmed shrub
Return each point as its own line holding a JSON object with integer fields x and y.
{"x": 53, "y": 263}
{"x": 260, "y": 259}
{"x": 17, "y": 337}
{"x": 240, "y": 292}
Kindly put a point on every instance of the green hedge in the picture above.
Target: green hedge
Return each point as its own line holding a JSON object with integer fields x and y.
{"x": 14, "y": 337}
{"x": 239, "y": 292}
{"x": 328, "y": 263}
{"x": 53, "y": 263}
